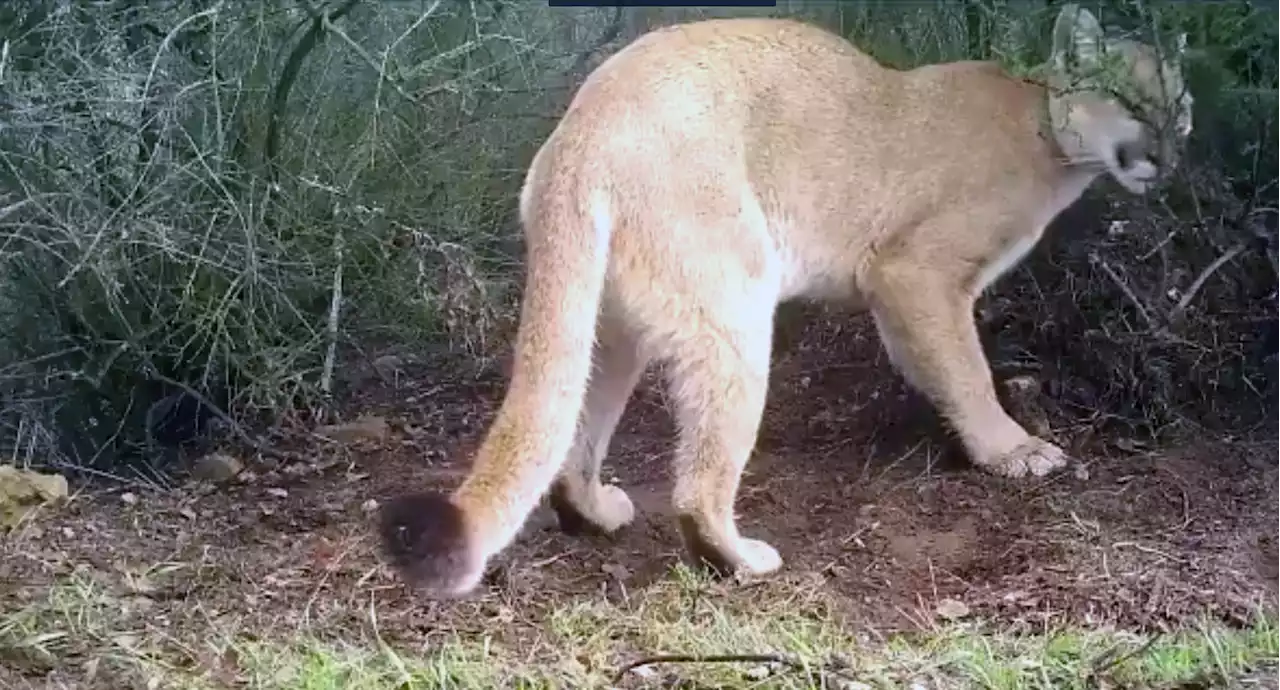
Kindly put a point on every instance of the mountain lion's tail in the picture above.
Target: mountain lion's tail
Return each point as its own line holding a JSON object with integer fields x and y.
{"x": 443, "y": 543}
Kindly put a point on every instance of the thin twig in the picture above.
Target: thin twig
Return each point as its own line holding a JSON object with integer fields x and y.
{"x": 833, "y": 666}
{"x": 364, "y": 55}
{"x": 335, "y": 310}
{"x": 1143, "y": 310}
{"x": 783, "y": 659}
{"x": 235, "y": 427}
{"x": 1201, "y": 279}
{"x": 1109, "y": 660}
{"x": 611, "y": 33}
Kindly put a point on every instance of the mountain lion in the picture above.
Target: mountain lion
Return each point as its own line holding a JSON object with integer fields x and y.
{"x": 711, "y": 170}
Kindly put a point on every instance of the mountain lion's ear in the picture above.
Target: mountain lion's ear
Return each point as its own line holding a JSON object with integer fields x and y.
{"x": 1077, "y": 38}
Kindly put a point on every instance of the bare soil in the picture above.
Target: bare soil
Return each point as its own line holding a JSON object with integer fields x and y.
{"x": 855, "y": 481}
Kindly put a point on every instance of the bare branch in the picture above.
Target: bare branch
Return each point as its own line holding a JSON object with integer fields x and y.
{"x": 1201, "y": 279}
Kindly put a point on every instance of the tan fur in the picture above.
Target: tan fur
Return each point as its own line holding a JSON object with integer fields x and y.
{"x": 711, "y": 170}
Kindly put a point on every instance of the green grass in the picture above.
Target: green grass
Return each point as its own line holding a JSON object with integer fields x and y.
{"x": 313, "y": 665}
{"x": 79, "y": 626}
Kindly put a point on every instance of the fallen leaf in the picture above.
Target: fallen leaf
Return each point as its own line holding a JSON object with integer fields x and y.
{"x": 323, "y": 554}
{"x": 368, "y": 428}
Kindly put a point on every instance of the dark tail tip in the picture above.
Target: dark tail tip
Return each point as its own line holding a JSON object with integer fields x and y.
{"x": 425, "y": 537}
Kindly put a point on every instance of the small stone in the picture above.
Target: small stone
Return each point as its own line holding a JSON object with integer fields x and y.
{"x": 217, "y": 467}
{"x": 1025, "y": 405}
{"x": 644, "y": 671}
{"x": 616, "y": 570}
{"x": 952, "y": 609}
{"x": 388, "y": 365}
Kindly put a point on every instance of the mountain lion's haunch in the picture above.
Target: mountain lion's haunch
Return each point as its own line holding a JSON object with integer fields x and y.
{"x": 708, "y": 172}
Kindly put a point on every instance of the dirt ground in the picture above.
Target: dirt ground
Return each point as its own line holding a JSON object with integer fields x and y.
{"x": 854, "y": 481}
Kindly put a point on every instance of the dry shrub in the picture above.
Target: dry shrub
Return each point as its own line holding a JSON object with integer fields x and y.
{"x": 1136, "y": 317}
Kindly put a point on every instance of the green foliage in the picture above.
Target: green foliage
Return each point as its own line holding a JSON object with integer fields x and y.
{"x": 191, "y": 186}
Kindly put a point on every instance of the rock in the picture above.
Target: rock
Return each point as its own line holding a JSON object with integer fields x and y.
{"x": 1025, "y": 406}
{"x": 617, "y": 571}
{"x": 952, "y": 609}
{"x": 388, "y": 366}
{"x": 644, "y": 671}
{"x": 22, "y": 491}
{"x": 365, "y": 428}
{"x": 217, "y": 467}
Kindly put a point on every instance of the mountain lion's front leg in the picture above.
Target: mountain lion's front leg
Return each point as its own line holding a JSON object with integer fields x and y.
{"x": 925, "y": 318}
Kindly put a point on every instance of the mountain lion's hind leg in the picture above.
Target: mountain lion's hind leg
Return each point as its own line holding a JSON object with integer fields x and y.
{"x": 581, "y": 502}
{"x": 719, "y": 377}
{"x": 926, "y": 323}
